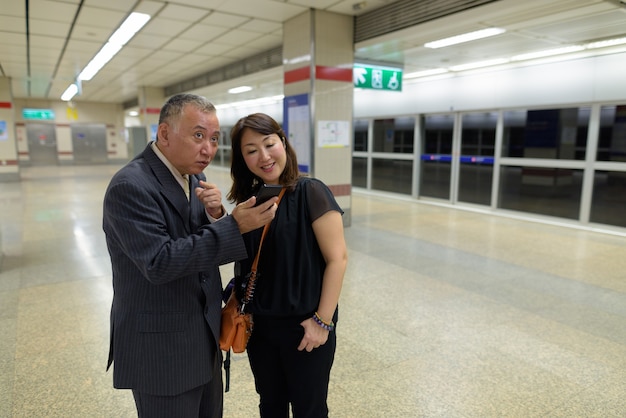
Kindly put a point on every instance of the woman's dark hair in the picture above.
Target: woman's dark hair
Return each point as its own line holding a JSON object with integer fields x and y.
{"x": 245, "y": 184}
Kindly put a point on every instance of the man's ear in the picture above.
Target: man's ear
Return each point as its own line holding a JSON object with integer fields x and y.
{"x": 163, "y": 132}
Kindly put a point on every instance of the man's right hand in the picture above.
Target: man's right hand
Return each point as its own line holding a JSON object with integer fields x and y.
{"x": 250, "y": 217}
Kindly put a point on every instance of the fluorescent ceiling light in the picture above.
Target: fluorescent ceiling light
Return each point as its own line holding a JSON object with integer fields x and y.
{"x": 547, "y": 53}
{"x": 297, "y": 60}
{"x": 69, "y": 92}
{"x": 466, "y": 37}
{"x": 120, "y": 37}
{"x": 606, "y": 43}
{"x": 479, "y": 64}
{"x": 129, "y": 28}
{"x": 133, "y": 113}
{"x": 240, "y": 89}
{"x": 426, "y": 73}
{"x": 107, "y": 52}
{"x": 133, "y": 23}
{"x": 252, "y": 102}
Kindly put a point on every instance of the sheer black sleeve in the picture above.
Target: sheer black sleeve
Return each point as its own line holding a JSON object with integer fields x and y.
{"x": 319, "y": 199}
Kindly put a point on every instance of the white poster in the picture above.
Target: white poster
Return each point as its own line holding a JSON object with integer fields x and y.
{"x": 333, "y": 133}
{"x": 299, "y": 133}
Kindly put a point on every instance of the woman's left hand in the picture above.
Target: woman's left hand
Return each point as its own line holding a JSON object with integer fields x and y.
{"x": 314, "y": 335}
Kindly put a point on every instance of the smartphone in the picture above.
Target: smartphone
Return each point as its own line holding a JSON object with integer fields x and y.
{"x": 266, "y": 192}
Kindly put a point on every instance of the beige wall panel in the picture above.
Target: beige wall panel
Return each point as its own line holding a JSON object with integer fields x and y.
{"x": 333, "y": 100}
{"x": 22, "y": 143}
{"x": 300, "y": 87}
{"x": 65, "y": 148}
{"x": 333, "y": 165}
{"x": 333, "y": 39}
{"x": 297, "y": 41}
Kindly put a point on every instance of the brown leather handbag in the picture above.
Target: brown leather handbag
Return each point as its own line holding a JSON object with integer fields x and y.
{"x": 236, "y": 326}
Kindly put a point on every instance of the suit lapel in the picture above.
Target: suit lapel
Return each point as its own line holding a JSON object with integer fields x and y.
{"x": 170, "y": 189}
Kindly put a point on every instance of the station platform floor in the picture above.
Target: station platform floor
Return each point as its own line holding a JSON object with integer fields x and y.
{"x": 444, "y": 312}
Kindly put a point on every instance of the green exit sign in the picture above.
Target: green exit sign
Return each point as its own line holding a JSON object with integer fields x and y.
{"x": 378, "y": 78}
{"x": 38, "y": 114}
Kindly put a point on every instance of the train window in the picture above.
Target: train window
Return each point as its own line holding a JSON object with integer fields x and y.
{"x": 546, "y": 133}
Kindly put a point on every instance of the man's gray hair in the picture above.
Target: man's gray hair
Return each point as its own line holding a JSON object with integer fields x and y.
{"x": 173, "y": 108}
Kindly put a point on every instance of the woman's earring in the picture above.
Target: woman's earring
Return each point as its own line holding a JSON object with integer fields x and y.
{"x": 254, "y": 182}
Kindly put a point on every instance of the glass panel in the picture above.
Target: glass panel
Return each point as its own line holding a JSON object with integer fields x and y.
{"x": 612, "y": 139}
{"x": 360, "y": 134}
{"x": 436, "y": 156}
{"x": 608, "y": 205}
{"x": 392, "y": 175}
{"x": 222, "y": 157}
{"x": 546, "y": 191}
{"x": 549, "y": 133}
{"x": 394, "y": 135}
{"x": 359, "y": 172}
{"x": 478, "y": 141}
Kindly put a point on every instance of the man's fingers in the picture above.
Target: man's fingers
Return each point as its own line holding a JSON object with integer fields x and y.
{"x": 207, "y": 185}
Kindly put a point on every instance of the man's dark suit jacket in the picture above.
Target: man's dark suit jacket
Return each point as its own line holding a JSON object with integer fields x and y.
{"x": 165, "y": 256}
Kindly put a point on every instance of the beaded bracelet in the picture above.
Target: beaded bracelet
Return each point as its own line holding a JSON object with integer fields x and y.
{"x": 327, "y": 326}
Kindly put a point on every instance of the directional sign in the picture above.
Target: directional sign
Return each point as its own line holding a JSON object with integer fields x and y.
{"x": 38, "y": 114}
{"x": 378, "y": 78}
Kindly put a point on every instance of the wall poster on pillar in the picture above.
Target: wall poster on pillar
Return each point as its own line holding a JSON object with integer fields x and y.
{"x": 333, "y": 133}
{"x": 4, "y": 132}
{"x": 297, "y": 127}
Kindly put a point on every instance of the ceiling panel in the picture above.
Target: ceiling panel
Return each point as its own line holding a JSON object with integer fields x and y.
{"x": 262, "y": 26}
{"x": 13, "y": 8}
{"x": 226, "y": 20}
{"x": 203, "y": 32}
{"x": 187, "y": 38}
{"x": 49, "y": 10}
{"x": 148, "y": 41}
{"x": 120, "y": 5}
{"x": 263, "y": 9}
{"x": 49, "y": 28}
{"x": 583, "y": 28}
{"x": 156, "y": 24}
{"x": 108, "y": 20}
{"x": 11, "y": 24}
{"x": 12, "y": 38}
{"x": 184, "y": 13}
{"x": 237, "y": 37}
{"x": 265, "y": 42}
{"x": 183, "y": 45}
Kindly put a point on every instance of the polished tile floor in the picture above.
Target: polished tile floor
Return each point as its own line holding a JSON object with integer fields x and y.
{"x": 444, "y": 313}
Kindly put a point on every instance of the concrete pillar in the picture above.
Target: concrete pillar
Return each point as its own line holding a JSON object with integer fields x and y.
{"x": 150, "y": 101}
{"x": 9, "y": 168}
{"x": 318, "y": 59}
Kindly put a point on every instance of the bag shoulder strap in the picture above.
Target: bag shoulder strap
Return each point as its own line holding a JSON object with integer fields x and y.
{"x": 253, "y": 270}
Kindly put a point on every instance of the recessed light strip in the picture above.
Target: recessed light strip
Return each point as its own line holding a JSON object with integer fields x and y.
{"x": 479, "y": 64}
{"x": 521, "y": 57}
{"x": 547, "y": 53}
{"x": 606, "y": 43}
{"x": 133, "y": 23}
{"x": 466, "y": 37}
{"x": 69, "y": 92}
{"x": 240, "y": 89}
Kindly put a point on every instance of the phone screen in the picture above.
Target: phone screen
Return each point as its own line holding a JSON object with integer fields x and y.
{"x": 266, "y": 192}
